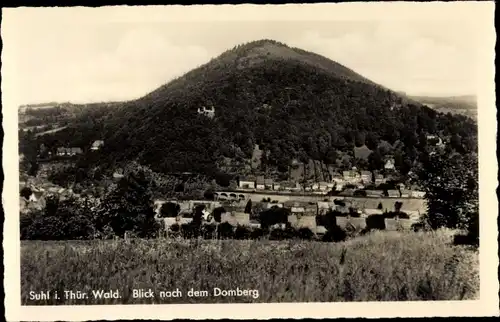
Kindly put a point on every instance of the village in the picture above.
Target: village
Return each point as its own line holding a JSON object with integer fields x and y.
{"x": 352, "y": 194}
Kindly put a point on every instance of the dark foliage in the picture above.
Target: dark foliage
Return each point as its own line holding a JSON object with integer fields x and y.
{"x": 26, "y": 192}
{"x": 376, "y": 221}
{"x": 69, "y": 219}
{"x": 175, "y": 228}
{"x": 398, "y": 214}
{"x": 305, "y": 233}
{"x": 217, "y": 213}
{"x": 242, "y": 232}
{"x": 248, "y": 207}
{"x": 256, "y": 233}
{"x": 129, "y": 207}
{"x": 169, "y": 209}
{"x": 335, "y": 234}
{"x": 209, "y": 231}
{"x": 273, "y": 216}
{"x": 450, "y": 181}
{"x": 279, "y": 234}
{"x": 225, "y": 231}
{"x": 208, "y": 195}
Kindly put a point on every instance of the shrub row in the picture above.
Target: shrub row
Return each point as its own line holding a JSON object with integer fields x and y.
{"x": 227, "y": 231}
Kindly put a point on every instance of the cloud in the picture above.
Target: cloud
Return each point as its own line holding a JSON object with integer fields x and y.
{"x": 401, "y": 57}
{"x": 65, "y": 61}
{"x": 142, "y": 60}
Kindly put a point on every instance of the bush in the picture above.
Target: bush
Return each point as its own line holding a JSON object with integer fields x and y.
{"x": 278, "y": 234}
{"x": 208, "y": 194}
{"x": 242, "y": 232}
{"x": 305, "y": 233}
{"x": 187, "y": 231}
{"x": 393, "y": 214}
{"x": 26, "y": 192}
{"x": 169, "y": 210}
{"x": 218, "y": 214}
{"x": 209, "y": 231}
{"x": 290, "y": 232}
{"x": 175, "y": 228}
{"x": 336, "y": 234}
{"x": 422, "y": 225}
{"x": 375, "y": 222}
{"x": 256, "y": 233}
{"x": 225, "y": 231}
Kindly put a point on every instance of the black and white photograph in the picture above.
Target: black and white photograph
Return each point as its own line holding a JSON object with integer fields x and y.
{"x": 264, "y": 154}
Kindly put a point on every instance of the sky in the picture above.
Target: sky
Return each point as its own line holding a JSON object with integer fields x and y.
{"x": 104, "y": 54}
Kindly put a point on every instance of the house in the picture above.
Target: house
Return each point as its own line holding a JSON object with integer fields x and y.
{"x": 208, "y": 112}
{"x": 236, "y": 218}
{"x": 434, "y": 140}
{"x": 297, "y": 210}
{"x": 389, "y": 164}
{"x": 405, "y": 193}
{"x": 368, "y": 212}
{"x": 246, "y": 182}
{"x": 393, "y": 193}
{"x": 61, "y": 151}
{"x": 374, "y": 193}
{"x": 323, "y": 207}
{"x": 74, "y": 151}
{"x": 68, "y": 151}
{"x": 379, "y": 179}
{"x": 97, "y": 145}
{"x": 269, "y": 205}
{"x": 260, "y": 183}
{"x": 291, "y": 186}
{"x": 35, "y": 196}
{"x": 351, "y": 176}
{"x": 276, "y": 186}
{"x": 324, "y": 186}
{"x": 366, "y": 177}
{"x": 339, "y": 186}
{"x": 268, "y": 184}
{"x": 417, "y": 194}
{"x": 117, "y": 176}
{"x": 311, "y": 208}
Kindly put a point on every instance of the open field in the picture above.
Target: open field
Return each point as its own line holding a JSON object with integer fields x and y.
{"x": 381, "y": 266}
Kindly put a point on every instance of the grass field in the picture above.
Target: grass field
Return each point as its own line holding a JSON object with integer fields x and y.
{"x": 382, "y": 266}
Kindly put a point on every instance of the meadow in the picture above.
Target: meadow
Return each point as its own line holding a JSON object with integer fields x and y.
{"x": 380, "y": 266}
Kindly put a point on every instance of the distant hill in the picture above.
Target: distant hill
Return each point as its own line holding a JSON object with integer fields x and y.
{"x": 465, "y": 105}
{"x": 292, "y": 103}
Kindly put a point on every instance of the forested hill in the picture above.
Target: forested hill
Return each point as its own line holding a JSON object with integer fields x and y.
{"x": 294, "y": 104}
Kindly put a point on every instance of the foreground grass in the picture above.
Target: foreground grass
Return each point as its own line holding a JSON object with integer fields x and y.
{"x": 381, "y": 266}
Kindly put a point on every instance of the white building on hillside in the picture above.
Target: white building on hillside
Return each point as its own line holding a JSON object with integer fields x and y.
{"x": 208, "y": 112}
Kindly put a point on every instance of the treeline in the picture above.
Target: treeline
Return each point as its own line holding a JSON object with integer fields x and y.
{"x": 125, "y": 206}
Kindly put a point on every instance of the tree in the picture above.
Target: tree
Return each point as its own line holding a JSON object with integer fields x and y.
{"x": 169, "y": 209}
{"x": 375, "y": 161}
{"x": 208, "y": 194}
{"x": 26, "y": 192}
{"x": 450, "y": 182}
{"x": 248, "y": 207}
{"x": 129, "y": 207}
{"x": 397, "y": 206}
